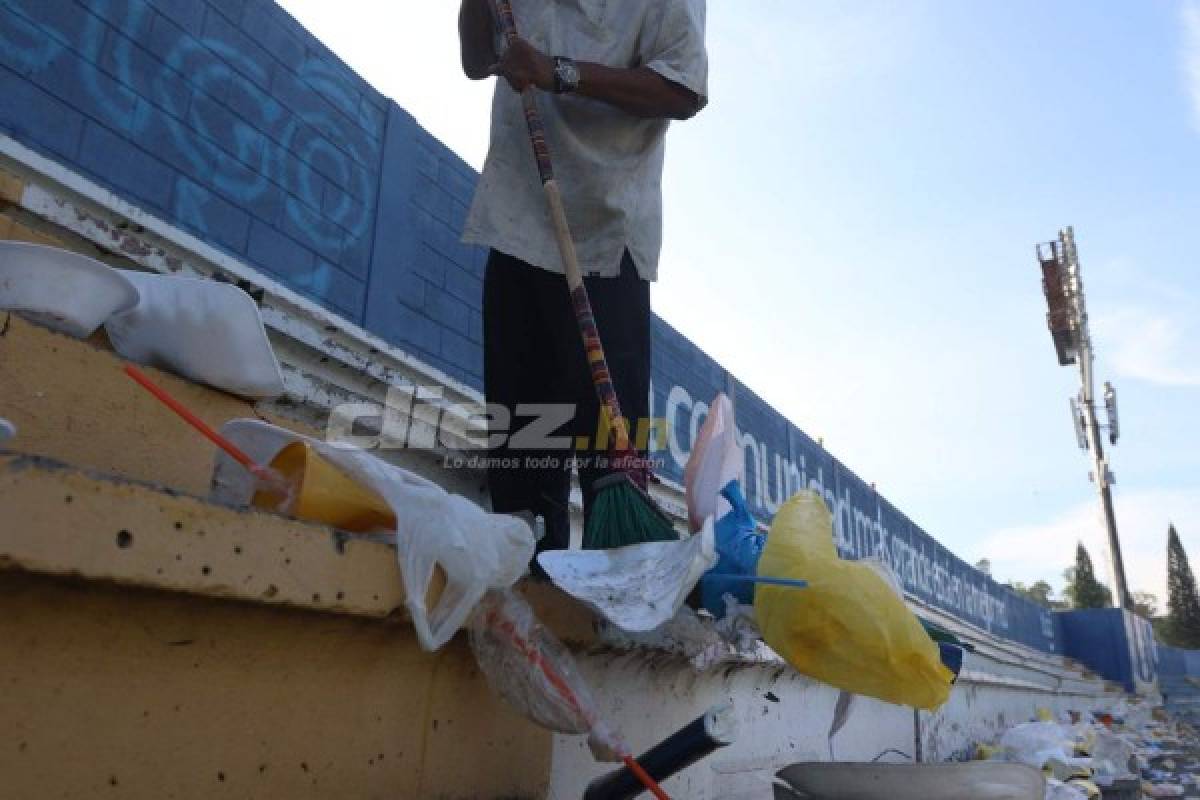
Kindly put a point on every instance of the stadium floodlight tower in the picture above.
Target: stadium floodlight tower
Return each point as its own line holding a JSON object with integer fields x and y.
{"x": 1068, "y": 321}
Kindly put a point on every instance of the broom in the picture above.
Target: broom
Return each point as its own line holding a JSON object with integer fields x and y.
{"x": 622, "y": 512}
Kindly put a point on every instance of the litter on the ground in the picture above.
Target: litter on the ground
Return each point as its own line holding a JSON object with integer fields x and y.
{"x": 1129, "y": 751}
{"x": 7, "y": 430}
{"x": 527, "y": 666}
{"x": 439, "y": 536}
{"x": 61, "y": 290}
{"x": 639, "y": 587}
{"x": 206, "y": 331}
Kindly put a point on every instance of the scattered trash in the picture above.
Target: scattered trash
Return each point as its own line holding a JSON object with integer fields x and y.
{"x": 1035, "y": 743}
{"x": 1111, "y": 755}
{"x": 716, "y": 459}
{"x": 1059, "y": 790}
{"x": 832, "y": 630}
{"x": 7, "y": 430}
{"x": 1127, "y": 751}
{"x": 451, "y": 551}
{"x": 739, "y": 547}
{"x": 638, "y": 587}
{"x": 62, "y": 290}
{"x": 532, "y": 671}
{"x": 320, "y": 492}
{"x": 1090, "y": 790}
{"x": 206, "y": 331}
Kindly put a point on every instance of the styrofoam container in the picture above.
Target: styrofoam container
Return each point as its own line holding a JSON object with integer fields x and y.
{"x": 64, "y": 291}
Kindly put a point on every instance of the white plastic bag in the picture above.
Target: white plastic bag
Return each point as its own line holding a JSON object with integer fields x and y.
{"x": 476, "y": 550}
{"x": 1035, "y": 743}
{"x": 207, "y": 331}
{"x": 1057, "y": 790}
{"x": 1110, "y": 755}
{"x": 716, "y": 460}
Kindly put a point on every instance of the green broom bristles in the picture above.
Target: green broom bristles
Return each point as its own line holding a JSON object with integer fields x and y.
{"x": 623, "y": 515}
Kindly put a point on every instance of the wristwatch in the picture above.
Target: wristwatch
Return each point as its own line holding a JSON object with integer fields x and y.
{"x": 566, "y": 75}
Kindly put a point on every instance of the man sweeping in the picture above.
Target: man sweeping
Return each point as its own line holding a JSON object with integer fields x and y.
{"x": 609, "y": 77}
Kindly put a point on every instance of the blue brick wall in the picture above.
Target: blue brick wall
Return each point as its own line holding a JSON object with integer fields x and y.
{"x": 229, "y": 119}
{"x": 224, "y": 116}
{"x": 1116, "y": 644}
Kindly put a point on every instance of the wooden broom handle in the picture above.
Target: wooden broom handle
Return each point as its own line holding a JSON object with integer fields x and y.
{"x": 541, "y": 154}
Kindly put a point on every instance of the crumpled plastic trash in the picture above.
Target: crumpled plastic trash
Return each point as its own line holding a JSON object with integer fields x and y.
{"x": 436, "y": 531}
{"x": 639, "y": 587}
{"x": 739, "y": 547}
{"x": 1110, "y": 755}
{"x": 1035, "y": 743}
{"x": 533, "y": 672}
{"x": 848, "y": 628}
{"x": 739, "y": 627}
{"x": 716, "y": 459}
{"x": 7, "y": 430}
{"x": 1057, "y": 790}
{"x": 1137, "y": 715}
{"x": 207, "y": 331}
{"x": 60, "y": 289}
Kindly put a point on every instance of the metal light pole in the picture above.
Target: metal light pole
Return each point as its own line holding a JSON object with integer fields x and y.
{"x": 1068, "y": 322}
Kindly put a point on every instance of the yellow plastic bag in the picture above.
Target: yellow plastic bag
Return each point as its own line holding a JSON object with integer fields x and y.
{"x": 848, "y": 628}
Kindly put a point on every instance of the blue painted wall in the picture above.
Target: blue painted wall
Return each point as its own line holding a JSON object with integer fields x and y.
{"x": 1179, "y": 677}
{"x": 1116, "y": 644}
{"x": 230, "y": 120}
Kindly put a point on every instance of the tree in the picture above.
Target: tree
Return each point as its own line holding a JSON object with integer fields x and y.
{"x": 1146, "y": 604}
{"x": 1040, "y": 592}
{"x": 1083, "y": 590}
{"x": 1183, "y": 606}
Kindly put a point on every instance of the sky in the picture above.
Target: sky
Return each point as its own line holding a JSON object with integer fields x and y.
{"x": 850, "y": 228}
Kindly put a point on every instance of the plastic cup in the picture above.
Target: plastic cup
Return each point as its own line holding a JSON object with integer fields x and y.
{"x": 323, "y": 493}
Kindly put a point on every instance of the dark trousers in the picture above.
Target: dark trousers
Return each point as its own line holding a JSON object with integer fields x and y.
{"x": 533, "y": 356}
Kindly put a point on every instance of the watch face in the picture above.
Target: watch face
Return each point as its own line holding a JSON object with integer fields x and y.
{"x": 568, "y": 74}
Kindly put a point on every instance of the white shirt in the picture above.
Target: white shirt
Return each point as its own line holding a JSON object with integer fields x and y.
{"x": 608, "y": 163}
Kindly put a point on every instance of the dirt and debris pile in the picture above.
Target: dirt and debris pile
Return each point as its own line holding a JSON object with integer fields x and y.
{"x": 1131, "y": 751}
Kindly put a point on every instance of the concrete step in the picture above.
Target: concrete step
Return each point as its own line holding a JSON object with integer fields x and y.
{"x": 70, "y": 401}
{"x": 82, "y": 524}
